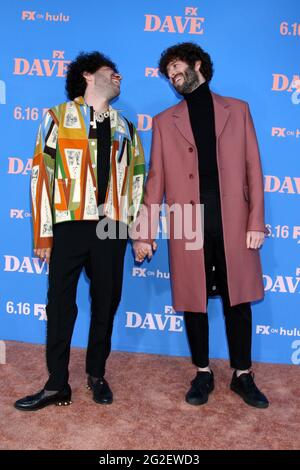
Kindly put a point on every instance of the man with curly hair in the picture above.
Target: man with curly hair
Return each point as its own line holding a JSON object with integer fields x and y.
{"x": 204, "y": 150}
{"x": 86, "y": 186}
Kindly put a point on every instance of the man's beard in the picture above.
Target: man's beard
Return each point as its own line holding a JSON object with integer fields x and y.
{"x": 108, "y": 89}
{"x": 113, "y": 92}
{"x": 190, "y": 81}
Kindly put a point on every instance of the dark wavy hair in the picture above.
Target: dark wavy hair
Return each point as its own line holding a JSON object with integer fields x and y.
{"x": 189, "y": 52}
{"x": 84, "y": 62}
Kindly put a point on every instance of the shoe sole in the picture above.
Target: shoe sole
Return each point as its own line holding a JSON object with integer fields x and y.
{"x": 61, "y": 403}
{"x": 108, "y": 402}
{"x": 261, "y": 405}
{"x": 103, "y": 402}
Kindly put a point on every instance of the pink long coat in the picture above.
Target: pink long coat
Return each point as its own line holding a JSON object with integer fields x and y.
{"x": 174, "y": 173}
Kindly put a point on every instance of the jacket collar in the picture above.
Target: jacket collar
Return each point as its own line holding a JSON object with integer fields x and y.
{"x": 118, "y": 123}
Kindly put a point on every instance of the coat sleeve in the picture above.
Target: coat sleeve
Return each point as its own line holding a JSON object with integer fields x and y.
{"x": 41, "y": 183}
{"x": 145, "y": 227}
{"x": 254, "y": 178}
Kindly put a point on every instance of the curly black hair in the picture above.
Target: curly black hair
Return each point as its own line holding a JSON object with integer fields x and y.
{"x": 84, "y": 62}
{"x": 189, "y": 52}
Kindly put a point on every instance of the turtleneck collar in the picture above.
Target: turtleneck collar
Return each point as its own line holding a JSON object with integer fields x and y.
{"x": 201, "y": 93}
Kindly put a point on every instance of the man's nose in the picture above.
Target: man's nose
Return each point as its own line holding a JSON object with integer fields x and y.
{"x": 118, "y": 76}
{"x": 172, "y": 74}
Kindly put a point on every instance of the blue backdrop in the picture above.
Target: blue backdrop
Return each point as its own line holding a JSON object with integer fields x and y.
{"x": 255, "y": 50}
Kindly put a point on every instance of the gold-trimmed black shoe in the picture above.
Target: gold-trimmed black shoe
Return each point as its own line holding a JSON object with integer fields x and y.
{"x": 102, "y": 394}
{"x": 40, "y": 400}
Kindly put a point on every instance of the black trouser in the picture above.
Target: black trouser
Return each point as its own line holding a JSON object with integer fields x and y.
{"x": 238, "y": 319}
{"x": 76, "y": 246}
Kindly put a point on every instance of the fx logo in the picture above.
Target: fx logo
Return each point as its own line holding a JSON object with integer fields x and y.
{"x": 58, "y": 54}
{"x": 190, "y": 11}
{"x": 28, "y": 15}
{"x": 263, "y": 329}
{"x": 169, "y": 309}
{"x": 278, "y": 131}
{"x": 19, "y": 214}
{"x": 16, "y": 213}
{"x": 139, "y": 272}
{"x": 151, "y": 72}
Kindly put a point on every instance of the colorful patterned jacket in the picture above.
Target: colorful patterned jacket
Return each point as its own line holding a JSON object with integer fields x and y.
{"x": 64, "y": 171}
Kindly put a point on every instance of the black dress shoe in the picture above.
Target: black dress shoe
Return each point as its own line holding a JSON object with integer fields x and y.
{"x": 40, "y": 400}
{"x": 201, "y": 387}
{"x": 244, "y": 386}
{"x": 102, "y": 394}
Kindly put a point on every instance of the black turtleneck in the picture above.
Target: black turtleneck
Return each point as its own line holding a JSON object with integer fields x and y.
{"x": 201, "y": 112}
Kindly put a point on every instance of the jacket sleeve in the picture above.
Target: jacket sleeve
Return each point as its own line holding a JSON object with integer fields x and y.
{"x": 145, "y": 227}
{"x": 139, "y": 173}
{"x": 254, "y": 178}
{"x": 42, "y": 176}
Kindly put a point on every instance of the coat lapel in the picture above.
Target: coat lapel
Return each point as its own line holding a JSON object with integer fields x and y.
{"x": 222, "y": 113}
{"x": 182, "y": 119}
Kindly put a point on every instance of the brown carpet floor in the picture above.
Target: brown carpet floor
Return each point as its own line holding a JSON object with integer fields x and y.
{"x": 149, "y": 411}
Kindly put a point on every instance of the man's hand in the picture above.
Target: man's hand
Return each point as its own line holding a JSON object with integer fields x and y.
{"x": 142, "y": 249}
{"x": 43, "y": 253}
{"x": 255, "y": 239}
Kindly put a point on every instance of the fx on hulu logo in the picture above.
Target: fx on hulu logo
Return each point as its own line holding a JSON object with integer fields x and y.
{"x": 34, "y": 15}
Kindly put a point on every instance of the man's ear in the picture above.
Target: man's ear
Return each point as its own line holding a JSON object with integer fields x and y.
{"x": 198, "y": 65}
{"x": 87, "y": 76}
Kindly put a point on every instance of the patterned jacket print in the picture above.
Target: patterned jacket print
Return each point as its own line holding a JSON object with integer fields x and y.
{"x": 64, "y": 170}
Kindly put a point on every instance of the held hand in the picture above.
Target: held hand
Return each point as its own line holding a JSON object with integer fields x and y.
{"x": 43, "y": 253}
{"x": 255, "y": 239}
{"x": 142, "y": 249}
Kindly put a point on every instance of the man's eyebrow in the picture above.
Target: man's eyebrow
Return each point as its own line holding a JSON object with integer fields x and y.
{"x": 172, "y": 62}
